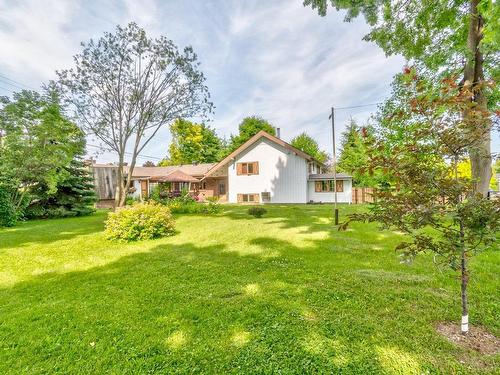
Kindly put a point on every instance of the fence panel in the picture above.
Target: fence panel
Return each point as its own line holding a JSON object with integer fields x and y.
{"x": 363, "y": 195}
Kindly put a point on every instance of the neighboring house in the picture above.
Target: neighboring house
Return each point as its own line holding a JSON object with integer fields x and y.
{"x": 265, "y": 169}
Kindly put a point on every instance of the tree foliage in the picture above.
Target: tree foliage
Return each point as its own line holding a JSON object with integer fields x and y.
{"x": 74, "y": 195}
{"x": 306, "y": 143}
{"x": 193, "y": 143}
{"x": 460, "y": 37}
{"x": 248, "y": 127}
{"x": 354, "y": 157}
{"x": 421, "y": 140}
{"x": 126, "y": 86}
{"x": 36, "y": 143}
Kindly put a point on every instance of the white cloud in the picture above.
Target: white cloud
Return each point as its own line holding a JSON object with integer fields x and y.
{"x": 276, "y": 59}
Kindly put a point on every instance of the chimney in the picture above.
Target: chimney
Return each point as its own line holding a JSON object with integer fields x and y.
{"x": 278, "y": 133}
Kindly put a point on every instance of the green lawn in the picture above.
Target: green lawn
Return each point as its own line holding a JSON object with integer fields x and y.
{"x": 232, "y": 294}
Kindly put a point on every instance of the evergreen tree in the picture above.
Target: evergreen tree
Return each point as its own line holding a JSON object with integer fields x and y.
{"x": 75, "y": 195}
{"x": 353, "y": 155}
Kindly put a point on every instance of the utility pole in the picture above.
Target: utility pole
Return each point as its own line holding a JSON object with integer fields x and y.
{"x": 335, "y": 209}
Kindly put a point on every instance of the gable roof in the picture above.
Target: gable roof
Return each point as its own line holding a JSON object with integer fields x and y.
{"x": 175, "y": 176}
{"x": 255, "y": 138}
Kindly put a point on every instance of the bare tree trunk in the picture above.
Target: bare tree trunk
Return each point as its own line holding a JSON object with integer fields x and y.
{"x": 480, "y": 153}
{"x": 119, "y": 181}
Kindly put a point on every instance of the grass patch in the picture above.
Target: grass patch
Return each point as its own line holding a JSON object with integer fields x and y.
{"x": 231, "y": 294}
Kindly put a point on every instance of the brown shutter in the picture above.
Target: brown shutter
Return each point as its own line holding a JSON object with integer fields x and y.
{"x": 317, "y": 186}
{"x": 340, "y": 186}
{"x": 239, "y": 198}
{"x": 256, "y": 198}
{"x": 239, "y": 169}
{"x": 256, "y": 167}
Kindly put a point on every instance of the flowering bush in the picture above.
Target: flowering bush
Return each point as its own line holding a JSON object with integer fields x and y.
{"x": 142, "y": 221}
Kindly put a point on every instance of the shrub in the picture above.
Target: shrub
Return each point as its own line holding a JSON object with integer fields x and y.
{"x": 8, "y": 214}
{"x": 257, "y": 211}
{"x": 141, "y": 221}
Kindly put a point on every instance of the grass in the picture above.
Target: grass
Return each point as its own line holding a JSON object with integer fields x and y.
{"x": 232, "y": 294}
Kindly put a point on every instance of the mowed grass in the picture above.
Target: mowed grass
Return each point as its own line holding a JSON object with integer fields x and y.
{"x": 233, "y": 294}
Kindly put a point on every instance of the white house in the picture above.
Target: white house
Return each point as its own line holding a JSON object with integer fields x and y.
{"x": 269, "y": 170}
{"x": 265, "y": 169}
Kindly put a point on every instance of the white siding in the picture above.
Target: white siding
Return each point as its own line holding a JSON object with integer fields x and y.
{"x": 281, "y": 172}
{"x": 342, "y": 197}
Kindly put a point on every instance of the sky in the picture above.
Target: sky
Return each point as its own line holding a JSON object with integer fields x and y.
{"x": 275, "y": 59}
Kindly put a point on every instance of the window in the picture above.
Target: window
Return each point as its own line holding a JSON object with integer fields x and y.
{"x": 327, "y": 186}
{"x": 203, "y": 185}
{"x": 248, "y": 198}
{"x": 266, "y": 196}
{"x": 247, "y": 168}
{"x": 222, "y": 188}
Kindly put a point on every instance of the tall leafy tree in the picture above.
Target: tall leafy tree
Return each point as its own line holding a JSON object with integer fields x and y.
{"x": 309, "y": 145}
{"x": 420, "y": 144}
{"x": 193, "y": 143}
{"x": 126, "y": 86}
{"x": 36, "y": 142}
{"x": 443, "y": 37}
{"x": 248, "y": 127}
{"x": 354, "y": 157}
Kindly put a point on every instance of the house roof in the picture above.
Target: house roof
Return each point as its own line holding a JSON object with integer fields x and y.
{"x": 329, "y": 176}
{"x": 188, "y": 169}
{"x": 251, "y": 141}
{"x": 175, "y": 176}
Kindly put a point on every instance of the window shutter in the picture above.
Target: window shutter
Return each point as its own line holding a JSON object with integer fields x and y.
{"x": 256, "y": 198}
{"x": 317, "y": 186}
{"x": 240, "y": 198}
{"x": 256, "y": 167}
{"x": 239, "y": 169}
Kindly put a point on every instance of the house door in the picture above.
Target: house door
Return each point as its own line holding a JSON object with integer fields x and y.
{"x": 222, "y": 189}
{"x": 144, "y": 188}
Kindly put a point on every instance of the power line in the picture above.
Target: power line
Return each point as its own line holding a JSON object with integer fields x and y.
{"x": 358, "y": 106}
{"x": 126, "y": 152}
{"x": 18, "y": 84}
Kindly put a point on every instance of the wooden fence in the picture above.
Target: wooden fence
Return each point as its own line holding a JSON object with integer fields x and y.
{"x": 363, "y": 195}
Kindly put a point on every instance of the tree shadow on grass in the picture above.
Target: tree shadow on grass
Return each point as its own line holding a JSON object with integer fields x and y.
{"x": 50, "y": 230}
{"x": 188, "y": 308}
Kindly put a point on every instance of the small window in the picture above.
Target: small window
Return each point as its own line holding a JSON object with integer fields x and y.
{"x": 266, "y": 196}
{"x": 248, "y": 198}
{"x": 247, "y": 168}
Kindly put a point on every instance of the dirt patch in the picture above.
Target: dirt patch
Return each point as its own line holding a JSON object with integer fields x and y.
{"x": 477, "y": 339}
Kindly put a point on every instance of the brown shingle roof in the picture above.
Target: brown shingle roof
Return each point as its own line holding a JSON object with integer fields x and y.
{"x": 175, "y": 176}
{"x": 189, "y": 169}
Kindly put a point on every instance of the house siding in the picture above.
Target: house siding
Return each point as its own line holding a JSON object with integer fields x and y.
{"x": 328, "y": 197}
{"x": 281, "y": 173}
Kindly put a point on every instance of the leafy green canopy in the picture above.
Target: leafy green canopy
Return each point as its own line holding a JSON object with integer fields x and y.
{"x": 306, "y": 143}
{"x": 36, "y": 143}
{"x": 420, "y": 144}
{"x": 193, "y": 142}
{"x": 354, "y": 157}
{"x": 248, "y": 127}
